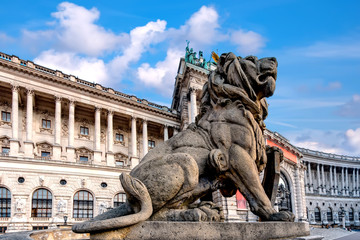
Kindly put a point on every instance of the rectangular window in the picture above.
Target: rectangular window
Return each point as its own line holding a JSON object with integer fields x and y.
{"x": 84, "y": 130}
{"x": 151, "y": 144}
{"x": 5, "y": 116}
{"x": 119, "y": 137}
{"x": 46, "y": 123}
{"x": 5, "y": 150}
{"x": 119, "y": 163}
{"x": 84, "y": 158}
{"x": 45, "y": 154}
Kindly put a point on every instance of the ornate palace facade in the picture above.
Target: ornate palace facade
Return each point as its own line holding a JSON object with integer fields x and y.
{"x": 64, "y": 142}
{"x": 332, "y": 188}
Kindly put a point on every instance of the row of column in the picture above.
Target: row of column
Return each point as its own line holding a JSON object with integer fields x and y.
{"x": 29, "y": 145}
{"x": 334, "y": 184}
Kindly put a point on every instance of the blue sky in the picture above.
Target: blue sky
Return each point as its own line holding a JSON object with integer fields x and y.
{"x": 135, "y": 46}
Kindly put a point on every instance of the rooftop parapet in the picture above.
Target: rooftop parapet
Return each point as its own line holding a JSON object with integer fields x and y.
{"x": 328, "y": 155}
{"x": 72, "y": 78}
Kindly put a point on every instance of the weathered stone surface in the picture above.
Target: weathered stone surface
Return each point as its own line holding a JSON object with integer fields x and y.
{"x": 207, "y": 231}
{"x": 224, "y": 150}
{"x": 51, "y": 234}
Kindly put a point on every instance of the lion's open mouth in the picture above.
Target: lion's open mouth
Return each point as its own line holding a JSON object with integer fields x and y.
{"x": 264, "y": 77}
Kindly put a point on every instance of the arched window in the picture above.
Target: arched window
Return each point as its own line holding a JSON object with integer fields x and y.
{"x": 351, "y": 214}
{"x": 329, "y": 214}
{"x": 317, "y": 214}
{"x": 283, "y": 197}
{"x": 5, "y": 202}
{"x": 41, "y": 203}
{"x": 119, "y": 199}
{"x": 83, "y": 204}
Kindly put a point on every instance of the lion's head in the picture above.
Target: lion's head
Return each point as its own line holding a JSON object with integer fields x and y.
{"x": 248, "y": 79}
{"x": 256, "y": 76}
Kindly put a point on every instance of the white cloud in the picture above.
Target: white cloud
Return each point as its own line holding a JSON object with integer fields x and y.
{"x": 350, "y": 108}
{"x": 77, "y": 31}
{"x": 202, "y": 29}
{"x": 90, "y": 69}
{"x": 339, "y": 49}
{"x": 318, "y": 146}
{"x": 162, "y": 76}
{"x": 140, "y": 40}
{"x": 4, "y": 38}
{"x": 247, "y": 42}
{"x": 353, "y": 137}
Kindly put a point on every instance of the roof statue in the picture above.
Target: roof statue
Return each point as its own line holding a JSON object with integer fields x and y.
{"x": 223, "y": 150}
{"x": 190, "y": 57}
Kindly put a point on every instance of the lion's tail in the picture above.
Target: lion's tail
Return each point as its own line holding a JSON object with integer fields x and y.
{"x": 139, "y": 198}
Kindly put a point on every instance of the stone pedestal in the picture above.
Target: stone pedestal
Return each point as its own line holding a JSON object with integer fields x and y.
{"x": 134, "y": 161}
{"x": 206, "y": 230}
{"x": 97, "y": 157}
{"x": 14, "y": 147}
{"x": 29, "y": 149}
{"x": 57, "y": 152}
{"x": 110, "y": 161}
{"x": 70, "y": 152}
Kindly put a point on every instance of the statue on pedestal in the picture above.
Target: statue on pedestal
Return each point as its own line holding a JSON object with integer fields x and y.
{"x": 224, "y": 150}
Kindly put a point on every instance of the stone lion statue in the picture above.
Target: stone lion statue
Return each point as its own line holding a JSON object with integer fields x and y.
{"x": 224, "y": 150}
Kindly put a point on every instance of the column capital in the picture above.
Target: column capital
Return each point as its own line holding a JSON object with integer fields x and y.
{"x": 133, "y": 117}
{"x": 193, "y": 90}
{"x": 15, "y": 87}
{"x": 97, "y": 108}
{"x": 72, "y": 102}
{"x": 57, "y": 98}
{"x": 30, "y": 91}
{"x": 110, "y": 111}
{"x": 144, "y": 120}
{"x": 166, "y": 126}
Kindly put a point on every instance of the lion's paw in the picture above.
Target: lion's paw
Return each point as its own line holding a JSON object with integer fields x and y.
{"x": 284, "y": 216}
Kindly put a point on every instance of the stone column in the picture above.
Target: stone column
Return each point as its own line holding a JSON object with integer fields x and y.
{"x": 97, "y": 134}
{"x": 145, "y": 137}
{"x": 331, "y": 181}
{"x": 357, "y": 182}
{"x": 133, "y": 137}
{"x": 353, "y": 183}
{"x": 134, "y": 155}
{"x": 342, "y": 182}
{"x": 189, "y": 111}
{"x": 57, "y": 135}
{"x": 347, "y": 181}
{"x": 306, "y": 181}
{"x": 318, "y": 178}
{"x": 310, "y": 178}
{"x": 298, "y": 194}
{"x": 70, "y": 148}
{"x": 323, "y": 179}
{"x": 110, "y": 161}
{"x": 166, "y": 133}
{"x": 175, "y": 131}
{"x": 29, "y": 144}
{"x": 335, "y": 182}
{"x": 14, "y": 141}
{"x": 193, "y": 104}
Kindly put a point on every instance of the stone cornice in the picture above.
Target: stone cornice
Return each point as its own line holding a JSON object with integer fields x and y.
{"x": 283, "y": 142}
{"x": 45, "y": 74}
